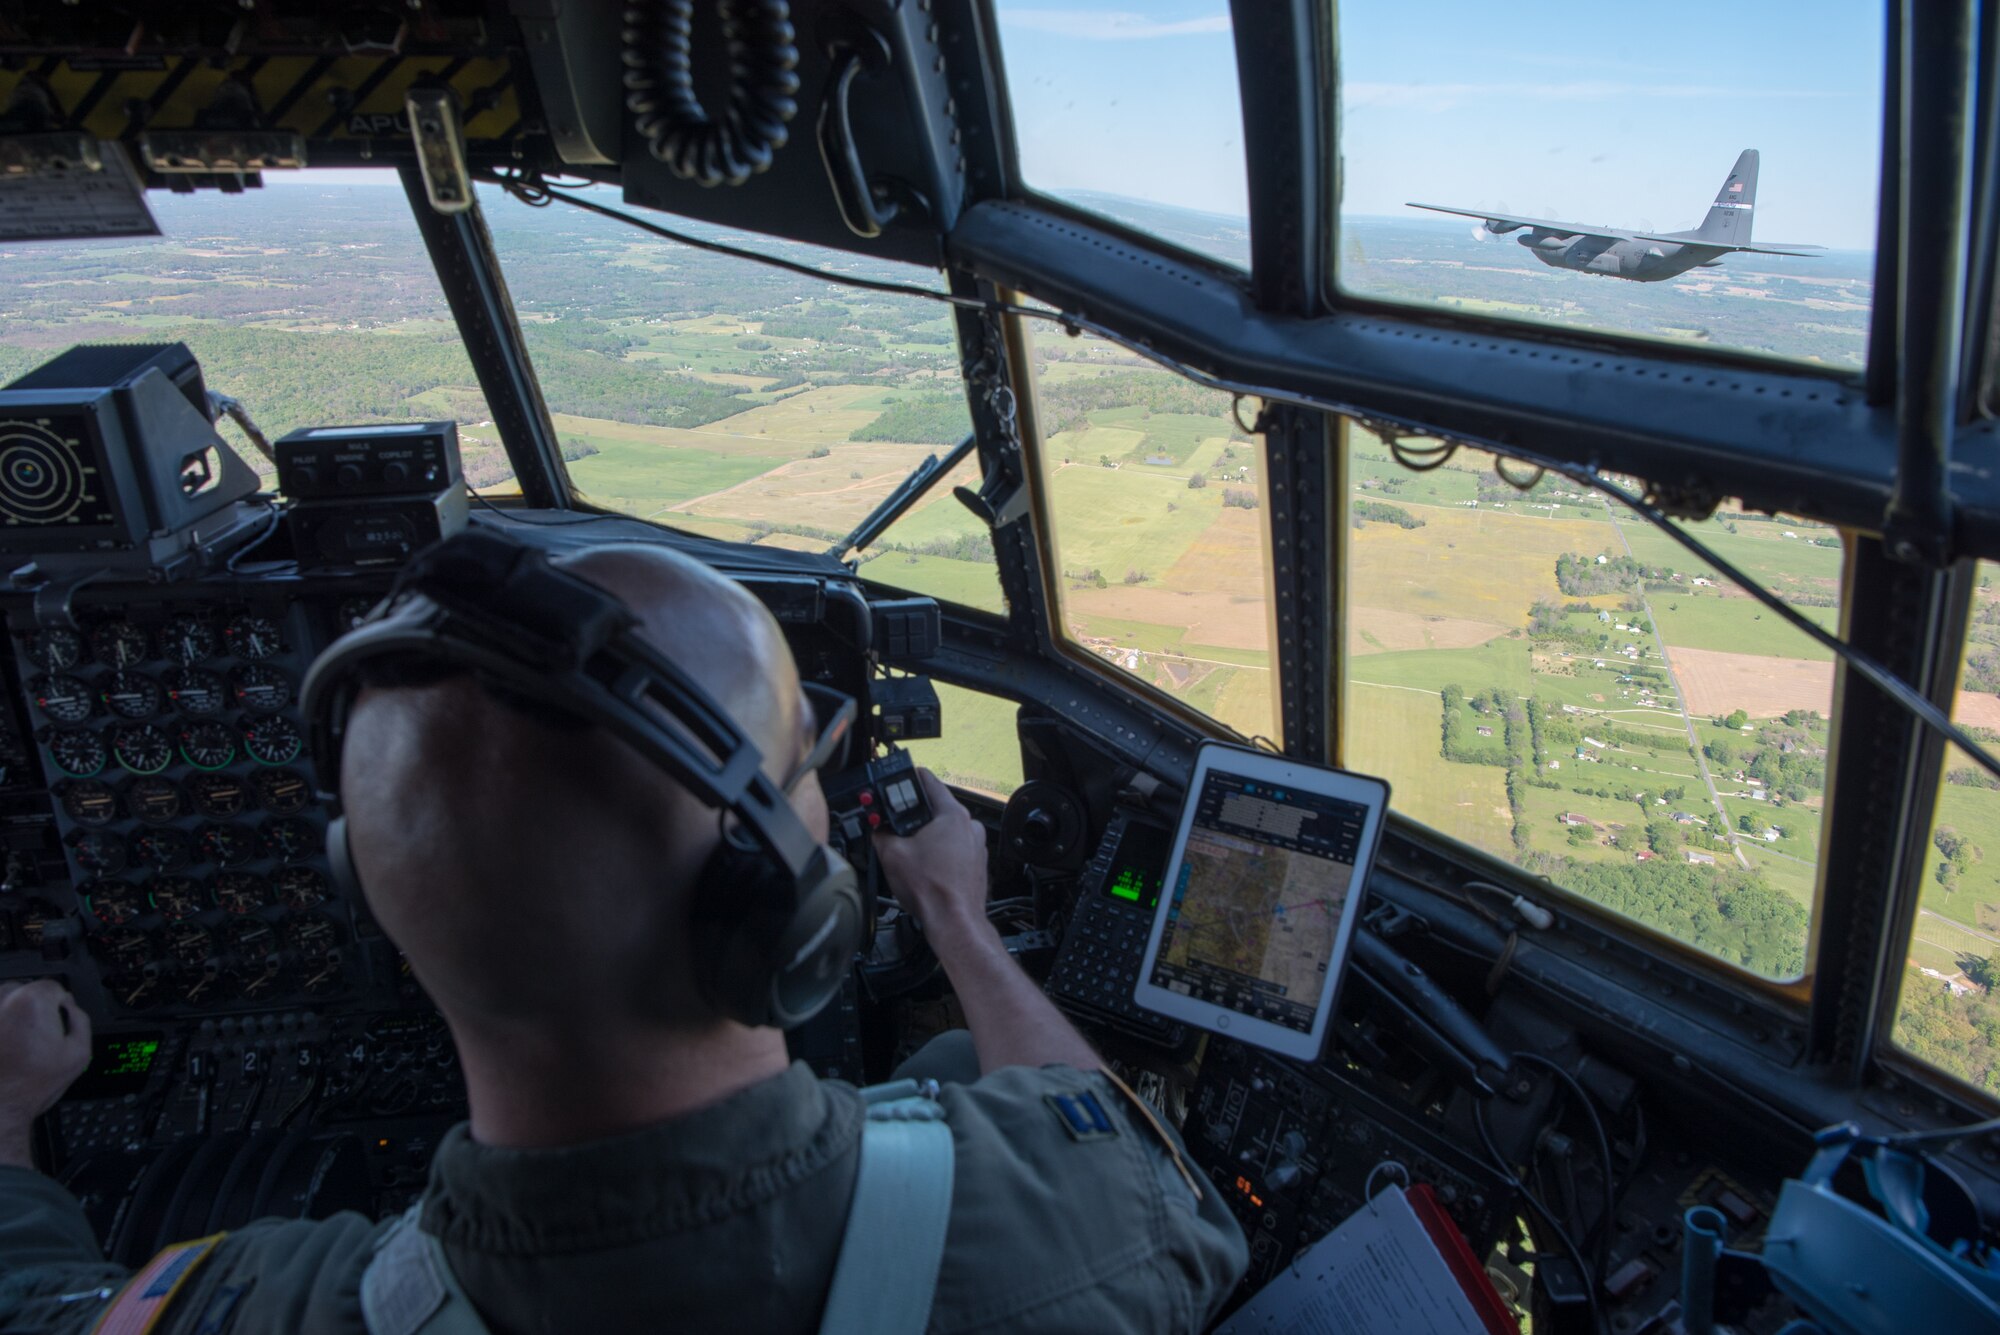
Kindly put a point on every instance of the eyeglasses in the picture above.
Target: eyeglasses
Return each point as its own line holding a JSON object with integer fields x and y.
{"x": 834, "y": 712}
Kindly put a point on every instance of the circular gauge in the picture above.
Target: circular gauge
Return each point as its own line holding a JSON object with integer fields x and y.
{"x": 113, "y": 903}
{"x": 32, "y": 920}
{"x": 190, "y": 945}
{"x": 282, "y": 791}
{"x": 249, "y": 635}
{"x": 176, "y": 897}
{"x": 208, "y": 744}
{"x": 300, "y": 887}
{"x": 290, "y": 839}
{"x": 272, "y": 741}
{"x": 317, "y": 943}
{"x": 130, "y": 694}
{"x": 122, "y": 949}
{"x": 256, "y": 948}
{"x": 77, "y": 753}
{"x": 142, "y": 748}
{"x": 260, "y": 688}
{"x": 354, "y": 611}
{"x": 227, "y": 845}
{"x": 98, "y": 852}
{"x": 120, "y": 643}
{"x": 63, "y": 699}
{"x": 197, "y": 693}
{"x": 219, "y": 796}
{"x": 239, "y": 892}
{"x": 187, "y": 639}
{"x": 134, "y": 989}
{"x": 55, "y": 650}
{"x": 89, "y": 802}
{"x": 166, "y": 848}
{"x": 156, "y": 800}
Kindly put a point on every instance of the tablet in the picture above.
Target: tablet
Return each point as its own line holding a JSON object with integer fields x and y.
{"x": 1265, "y": 879}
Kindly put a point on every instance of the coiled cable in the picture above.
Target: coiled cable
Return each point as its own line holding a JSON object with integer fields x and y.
{"x": 658, "y": 53}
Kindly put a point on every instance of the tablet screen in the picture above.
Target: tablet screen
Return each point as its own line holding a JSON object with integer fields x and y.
{"x": 1254, "y": 922}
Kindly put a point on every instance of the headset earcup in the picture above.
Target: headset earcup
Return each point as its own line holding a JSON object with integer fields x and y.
{"x": 766, "y": 951}
{"x": 819, "y": 944}
{"x": 340, "y": 861}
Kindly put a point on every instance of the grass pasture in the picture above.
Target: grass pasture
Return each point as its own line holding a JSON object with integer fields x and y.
{"x": 979, "y": 749}
{"x": 648, "y": 470}
{"x": 1474, "y": 565}
{"x": 1736, "y": 624}
{"x": 1394, "y": 733}
{"x": 975, "y": 584}
{"x": 824, "y": 416}
{"x": 1974, "y": 814}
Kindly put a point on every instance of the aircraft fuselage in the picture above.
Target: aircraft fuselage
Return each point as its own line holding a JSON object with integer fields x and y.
{"x": 1639, "y": 261}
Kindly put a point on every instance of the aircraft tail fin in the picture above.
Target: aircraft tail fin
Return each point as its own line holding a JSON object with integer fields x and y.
{"x": 1729, "y": 218}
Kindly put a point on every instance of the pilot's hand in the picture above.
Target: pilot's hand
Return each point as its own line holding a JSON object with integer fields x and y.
{"x": 44, "y": 1045}
{"x": 939, "y": 873}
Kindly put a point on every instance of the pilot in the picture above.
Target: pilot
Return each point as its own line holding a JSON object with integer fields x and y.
{"x": 634, "y": 1160}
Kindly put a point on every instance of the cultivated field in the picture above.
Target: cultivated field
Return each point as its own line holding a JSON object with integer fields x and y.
{"x": 1762, "y": 687}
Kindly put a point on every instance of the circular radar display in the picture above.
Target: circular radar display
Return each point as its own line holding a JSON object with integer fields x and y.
{"x": 142, "y": 748}
{"x": 156, "y": 800}
{"x": 300, "y": 887}
{"x": 164, "y": 849}
{"x": 113, "y": 903}
{"x": 219, "y": 796}
{"x": 176, "y": 897}
{"x": 208, "y": 744}
{"x": 120, "y": 643}
{"x": 260, "y": 688}
{"x": 249, "y": 635}
{"x": 98, "y": 853}
{"x": 227, "y": 845}
{"x": 89, "y": 802}
{"x": 283, "y": 792}
{"x": 77, "y": 753}
{"x": 196, "y": 693}
{"x": 63, "y": 699}
{"x": 55, "y": 650}
{"x": 130, "y": 694}
{"x": 239, "y": 892}
{"x": 187, "y": 639}
{"x": 44, "y": 477}
{"x": 273, "y": 741}
{"x": 290, "y": 839}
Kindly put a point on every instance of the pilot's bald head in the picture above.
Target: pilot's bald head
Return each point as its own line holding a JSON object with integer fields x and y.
{"x": 537, "y": 873}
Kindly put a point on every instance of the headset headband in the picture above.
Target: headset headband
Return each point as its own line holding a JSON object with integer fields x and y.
{"x": 500, "y": 609}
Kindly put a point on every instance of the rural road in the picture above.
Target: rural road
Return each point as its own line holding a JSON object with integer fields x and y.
{"x": 1694, "y": 741}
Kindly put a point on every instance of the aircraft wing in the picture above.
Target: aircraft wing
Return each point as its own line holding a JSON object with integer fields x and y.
{"x": 1798, "y": 248}
{"x": 1545, "y": 224}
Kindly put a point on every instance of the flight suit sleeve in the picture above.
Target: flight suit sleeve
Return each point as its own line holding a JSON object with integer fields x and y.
{"x": 47, "y": 1252}
{"x": 1070, "y": 1212}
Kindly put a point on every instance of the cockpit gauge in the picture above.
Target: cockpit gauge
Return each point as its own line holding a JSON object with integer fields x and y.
{"x": 197, "y": 693}
{"x": 256, "y": 948}
{"x": 132, "y": 695}
{"x": 165, "y": 848}
{"x": 113, "y": 903}
{"x": 122, "y": 950}
{"x": 283, "y": 792}
{"x": 317, "y": 944}
{"x": 260, "y": 688}
{"x": 300, "y": 887}
{"x": 227, "y": 845}
{"x": 142, "y": 748}
{"x": 176, "y": 897}
{"x": 89, "y": 802}
{"x": 240, "y": 893}
{"x": 63, "y": 699}
{"x": 77, "y": 752}
{"x": 121, "y": 644}
{"x": 55, "y": 649}
{"x": 272, "y": 741}
{"x": 156, "y": 800}
{"x": 98, "y": 852}
{"x": 187, "y": 639}
{"x": 207, "y": 744}
{"x": 289, "y": 839}
{"x": 250, "y": 635}
{"x": 219, "y": 796}
{"x": 190, "y": 945}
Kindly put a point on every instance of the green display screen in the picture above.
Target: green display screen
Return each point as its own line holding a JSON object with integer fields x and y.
{"x": 1130, "y": 883}
{"x": 119, "y": 1065}
{"x": 1138, "y": 865}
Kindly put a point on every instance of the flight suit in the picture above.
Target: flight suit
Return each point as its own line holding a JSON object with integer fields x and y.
{"x": 725, "y": 1219}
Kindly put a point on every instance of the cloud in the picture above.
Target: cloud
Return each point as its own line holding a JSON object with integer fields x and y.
{"x": 1108, "y": 26}
{"x": 1449, "y": 96}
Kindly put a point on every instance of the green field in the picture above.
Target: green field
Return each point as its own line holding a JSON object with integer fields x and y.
{"x": 1502, "y": 663}
{"x": 1737, "y": 625}
{"x": 1394, "y": 733}
{"x": 979, "y": 749}
{"x": 972, "y": 583}
{"x": 1974, "y": 813}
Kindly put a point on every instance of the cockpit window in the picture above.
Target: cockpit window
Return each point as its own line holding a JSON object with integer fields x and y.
{"x": 1544, "y": 675}
{"x": 1133, "y": 112}
{"x": 1609, "y": 176}
{"x": 312, "y": 301}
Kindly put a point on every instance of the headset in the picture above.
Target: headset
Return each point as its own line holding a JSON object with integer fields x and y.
{"x": 778, "y": 916}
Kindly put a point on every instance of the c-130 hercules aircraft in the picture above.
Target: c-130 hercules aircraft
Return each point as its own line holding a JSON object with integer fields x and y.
{"x": 1645, "y": 257}
{"x": 1636, "y": 969}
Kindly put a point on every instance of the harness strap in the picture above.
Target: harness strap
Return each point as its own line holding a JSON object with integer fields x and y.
{"x": 887, "y": 1273}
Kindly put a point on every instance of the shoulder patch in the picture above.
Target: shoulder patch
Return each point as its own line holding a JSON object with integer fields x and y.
{"x": 1082, "y": 1116}
{"x": 147, "y": 1295}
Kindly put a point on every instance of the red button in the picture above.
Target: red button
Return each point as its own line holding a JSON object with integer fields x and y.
{"x": 867, "y": 798}
{"x": 874, "y": 820}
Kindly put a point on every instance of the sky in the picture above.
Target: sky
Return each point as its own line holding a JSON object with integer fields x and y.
{"x": 1610, "y": 114}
